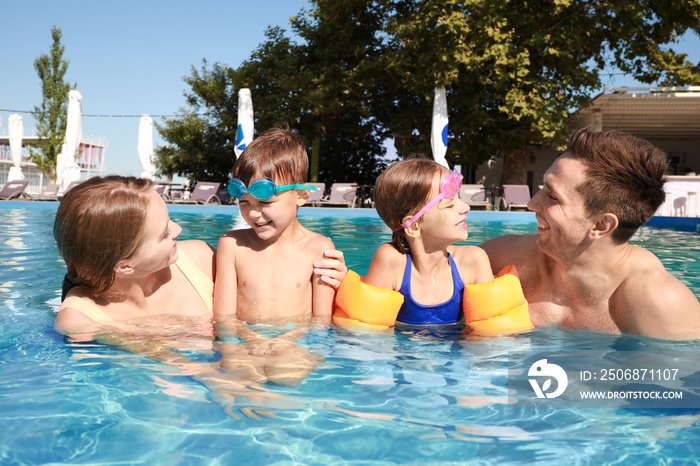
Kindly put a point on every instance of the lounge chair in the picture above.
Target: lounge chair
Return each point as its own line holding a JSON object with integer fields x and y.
{"x": 316, "y": 196}
{"x": 49, "y": 193}
{"x": 342, "y": 195}
{"x": 475, "y": 196}
{"x": 203, "y": 193}
{"x": 516, "y": 196}
{"x": 13, "y": 190}
{"x": 162, "y": 188}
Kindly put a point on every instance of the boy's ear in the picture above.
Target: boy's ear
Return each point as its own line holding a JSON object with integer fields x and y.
{"x": 604, "y": 226}
{"x": 303, "y": 196}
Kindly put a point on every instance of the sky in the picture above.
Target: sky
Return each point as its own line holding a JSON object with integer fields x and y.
{"x": 129, "y": 57}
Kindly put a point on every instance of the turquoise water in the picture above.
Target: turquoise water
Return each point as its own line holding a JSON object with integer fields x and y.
{"x": 396, "y": 398}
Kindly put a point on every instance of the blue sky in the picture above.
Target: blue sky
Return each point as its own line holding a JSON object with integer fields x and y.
{"x": 129, "y": 57}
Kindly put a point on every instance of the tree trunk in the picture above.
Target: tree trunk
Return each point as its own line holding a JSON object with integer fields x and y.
{"x": 315, "y": 148}
{"x": 515, "y": 167}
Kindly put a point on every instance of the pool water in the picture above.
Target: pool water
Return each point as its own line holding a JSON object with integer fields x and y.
{"x": 396, "y": 398}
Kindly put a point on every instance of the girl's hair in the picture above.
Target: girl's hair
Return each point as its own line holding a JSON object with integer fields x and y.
{"x": 402, "y": 190}
{"x": 277, "y": 153}
{"x": 98, "y": 223}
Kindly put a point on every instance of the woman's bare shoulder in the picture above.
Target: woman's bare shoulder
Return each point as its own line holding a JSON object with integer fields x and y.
{"x": 201, "y": 253}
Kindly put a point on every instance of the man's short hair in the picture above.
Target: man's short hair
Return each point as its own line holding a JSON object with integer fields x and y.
{"x": 625, "y": 176}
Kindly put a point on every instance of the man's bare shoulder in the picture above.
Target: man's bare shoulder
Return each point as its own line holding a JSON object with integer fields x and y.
{"x": 515, "y": 250}
{"x": 652, "y": 302}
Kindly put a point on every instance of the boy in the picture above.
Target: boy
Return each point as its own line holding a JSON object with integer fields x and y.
{"x": 266, "y": 273}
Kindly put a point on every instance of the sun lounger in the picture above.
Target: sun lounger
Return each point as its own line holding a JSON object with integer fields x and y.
{"x": 203, "y": 193}
{"x": 13, "y": 190}
{"x": 516, "y": 196}
{"x": 475, "y": 196}
{"x": 316, "y": 196}
{"x": 49, "y": 193}
{"x": 342, "y": 195}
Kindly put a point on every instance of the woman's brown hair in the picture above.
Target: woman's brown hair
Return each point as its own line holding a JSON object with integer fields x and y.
{"x": 402, "y": 190}
{"x": 98, "y": 223}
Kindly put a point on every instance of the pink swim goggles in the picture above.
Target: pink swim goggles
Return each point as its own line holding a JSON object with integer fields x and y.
{"x": 449, "y": 188}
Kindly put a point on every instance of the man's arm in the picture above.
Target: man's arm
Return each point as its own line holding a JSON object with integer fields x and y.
{"x": 658, "y": 305}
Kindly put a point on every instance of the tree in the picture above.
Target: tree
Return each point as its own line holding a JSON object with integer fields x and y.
{"x": 51, "y": 115}
{"x": 305, "y": 87}
{"x": 515, "y": 70}
{"x": 200, "y": 143}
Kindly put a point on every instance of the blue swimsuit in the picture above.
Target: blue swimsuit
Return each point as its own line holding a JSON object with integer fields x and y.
{"x": 448, "y": 312}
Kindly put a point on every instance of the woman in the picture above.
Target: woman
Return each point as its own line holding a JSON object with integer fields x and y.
{"x": 126, "y": 270}
{"x": 130, "y": 283}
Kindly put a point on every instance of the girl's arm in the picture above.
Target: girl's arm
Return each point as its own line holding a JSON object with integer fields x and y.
{"x": 226, "y": 284}
{"x": 473, "y": 264}
{"x": 386, "y": 269}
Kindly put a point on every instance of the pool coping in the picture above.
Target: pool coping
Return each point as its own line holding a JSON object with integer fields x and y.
{"x": 691, "y": 224}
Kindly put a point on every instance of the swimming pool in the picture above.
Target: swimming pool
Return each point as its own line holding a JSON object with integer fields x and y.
{"x": 375, "y": 399}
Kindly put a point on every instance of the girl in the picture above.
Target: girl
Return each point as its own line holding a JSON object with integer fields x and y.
{"x": 418, "y": 200}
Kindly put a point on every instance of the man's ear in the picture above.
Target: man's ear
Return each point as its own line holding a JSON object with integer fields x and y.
{"x": 606, "y": 224}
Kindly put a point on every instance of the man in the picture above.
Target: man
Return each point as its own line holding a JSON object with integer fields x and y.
{"x": 579, "y": 270}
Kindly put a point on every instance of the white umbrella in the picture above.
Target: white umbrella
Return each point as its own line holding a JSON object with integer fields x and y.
{"x": 16, "y": 130}
{"x": 244, "y": 133}
{"x": 144, "y": 149}
{"x": 438, "y": 135}
{"x": 67, "y": 170}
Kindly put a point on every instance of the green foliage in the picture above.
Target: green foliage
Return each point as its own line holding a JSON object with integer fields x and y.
{"x": 200, "y": 143}
{"x": 514, "y": 70}
{"x": 366, "y": 70}
{"x": 51, "y": 115}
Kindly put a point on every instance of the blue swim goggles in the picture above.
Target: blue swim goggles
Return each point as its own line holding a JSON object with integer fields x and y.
{"x": 263, "y": 188}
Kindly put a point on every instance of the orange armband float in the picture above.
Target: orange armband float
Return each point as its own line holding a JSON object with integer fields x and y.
{"x": 365, "y": 307}
{"x": 497, "y": 307}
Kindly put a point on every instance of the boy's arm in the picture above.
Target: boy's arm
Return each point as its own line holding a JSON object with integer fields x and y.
{"x": 331, "y": 268}
{"x": 226, "y": 284}
{"x": 322, "y": 292}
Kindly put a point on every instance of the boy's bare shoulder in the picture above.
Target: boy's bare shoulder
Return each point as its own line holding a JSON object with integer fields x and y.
{"x": 241, "y": 236}
{"x": 317, "y": 242}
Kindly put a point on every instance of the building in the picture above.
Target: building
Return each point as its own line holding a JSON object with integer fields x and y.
{"x": 91, "y": 160}
{"x": 669, "y": 118}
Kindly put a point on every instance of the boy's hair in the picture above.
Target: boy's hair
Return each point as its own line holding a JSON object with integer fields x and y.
{"x": 98, "y": 223}
{"x": 277, "y": 153}
{"x": 625, "y": 176}
{"x": 402, "y": 190}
